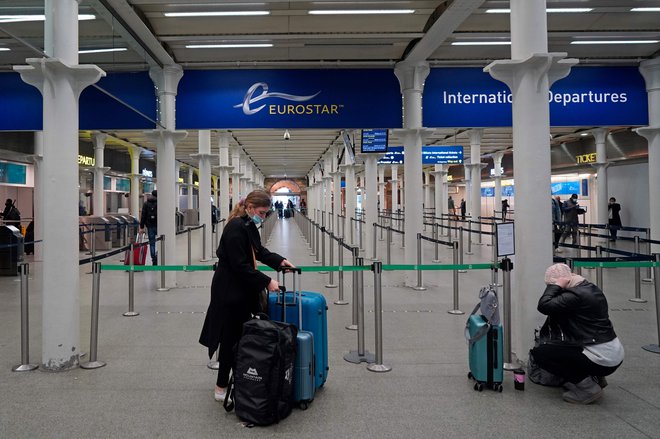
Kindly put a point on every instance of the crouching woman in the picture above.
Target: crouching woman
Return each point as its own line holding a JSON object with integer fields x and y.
{"x": 581, "y": 345}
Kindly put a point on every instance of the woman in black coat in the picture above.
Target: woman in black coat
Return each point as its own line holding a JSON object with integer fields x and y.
{"x": 237, "y": 283}
{"x": 614, "y": 220}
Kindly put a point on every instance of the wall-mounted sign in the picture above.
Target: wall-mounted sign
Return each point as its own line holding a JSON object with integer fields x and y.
{"x": 586, "y": 158}
{"x": 13, "y": 173}
{"x": 84, "y": 160}
{"x": 442, "y": 155}
{"x": 492, "y": 172}
{"x": 147, "y": 173}
{"x": 393, "y": 156}
{"x": 565, "y": 187}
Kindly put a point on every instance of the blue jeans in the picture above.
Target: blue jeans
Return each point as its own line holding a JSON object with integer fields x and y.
{"x": 151, "y": 234}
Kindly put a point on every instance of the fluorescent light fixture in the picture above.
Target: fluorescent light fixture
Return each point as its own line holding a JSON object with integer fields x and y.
{"x": 18, "y": 18}
{"x": 481, "y": 43}
{"x": 216, "y": 14}
{"x": 616, "y": 42}
{"x": 360, "y": 11}
{"x": 228, "y": 46}
{"x": 4, "y": 49}
{"x": 114, "y": 49}
{"x": 549, "y": 10}
{"x": 645, "y": 10}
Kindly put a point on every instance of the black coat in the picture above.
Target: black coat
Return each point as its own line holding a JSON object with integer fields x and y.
{"x": 236, "y": 283}
{"x": 615, "y": 208}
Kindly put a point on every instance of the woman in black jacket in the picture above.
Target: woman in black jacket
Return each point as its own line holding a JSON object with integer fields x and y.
{"x": 582, "y": 347}
{"x": 614, "y": 219}
{"x": 237, "y": 283}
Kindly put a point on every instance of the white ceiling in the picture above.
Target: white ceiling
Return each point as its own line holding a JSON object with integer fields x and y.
{"x": 301, "y": 40}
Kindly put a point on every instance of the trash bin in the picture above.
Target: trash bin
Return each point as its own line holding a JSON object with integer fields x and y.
{"x": 11, "y": 250}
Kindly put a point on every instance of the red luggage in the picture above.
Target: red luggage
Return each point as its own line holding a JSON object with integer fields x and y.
{"x": 140, "y": 247}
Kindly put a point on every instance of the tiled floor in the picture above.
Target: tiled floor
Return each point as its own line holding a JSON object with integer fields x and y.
{"x": 156, "y": 383}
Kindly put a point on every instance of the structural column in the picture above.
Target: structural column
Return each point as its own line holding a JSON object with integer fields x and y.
{"x": 411, "y": 80}
{"x": 475, "y": 169}
{"x": 350, "y": 195}
{"x": 529, "y": 74}
{"x": 38, "y": 194}
{"x": 439, "y": 176}
{"x": 190, "y": 198}
{"x": 204, "y": 199}
{"x": 497, "y": 163}
{"x": 224, "y": 169}
{"x": 134, "y": 152}
{"x": 371, "y": 202}
{"x": 98, "y": 139}
{"x": 60, "y": 80}
{"x": 394, "y": 186}
{"x": 236, "y": 175}
{"x": 381, "y": 187}
{"x": 336, "y": 191}
{"x": 427, "y": 190}
{"x": 601, "y": 165}
{"x": 650, "y": 70}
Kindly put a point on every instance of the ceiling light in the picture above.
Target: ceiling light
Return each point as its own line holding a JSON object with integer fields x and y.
{"x": 616, "y": 42}
{"x": 4, "y": 49}
{"x": 18, "y": 18}
{"x": 227, "y": 46}
{"x": 481, "y": 43}
{"x": 549, "y": 10}
{"x": 645, "y": 10}
{"x": 216, "y": 14}
{"x": 115, "y": 49}
{"x": 360, "y": 11}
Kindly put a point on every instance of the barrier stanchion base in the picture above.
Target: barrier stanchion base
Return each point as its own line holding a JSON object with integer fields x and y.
{"x": 652, "y": 348}
{"x": 213, "y": 365}
{"x": 317, "y": 262}
{"x": 341, "y": 302}
{"x": 418, "y": 288}
{"x": 636, "y": 300}
{"x": 469, "y": 253}
{"x": 647, "y": 280}
{"x": 436, "y": 261}
{"x": 24, "y": 367}
{"x": 162, "y": 289}
{"x": 131, "y": 314}
{"x": 205, "y": 260}
{"x": 512, "y": 366}
{"x": 92, "y": 365}
{"x": 355, "y": 358}
{"x": 331, "y": 286}
{"x": 378, "y": 368}
{"x": 462, "y": 271}
{"x": 456, "y": 312}
{"x": 351, "y": 327}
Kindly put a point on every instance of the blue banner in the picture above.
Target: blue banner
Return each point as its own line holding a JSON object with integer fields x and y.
{"x": 591, "y": 96}
{"x": 442, "y": 155}
{"x": 393, "y": 156}
{"x": 366, "y": 98}
{"x": 565, "y": 187}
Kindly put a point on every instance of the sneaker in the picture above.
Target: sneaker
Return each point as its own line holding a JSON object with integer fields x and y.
{"x": 585, "y": 392}
{"x": 219, "y": 396}
{"x": 602, "y": 382}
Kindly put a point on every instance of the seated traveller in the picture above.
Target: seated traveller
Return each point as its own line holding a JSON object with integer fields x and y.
{"x": 579, "y": 343}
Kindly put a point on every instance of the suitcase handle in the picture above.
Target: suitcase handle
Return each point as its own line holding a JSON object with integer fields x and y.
{"x": 297, "y": 294}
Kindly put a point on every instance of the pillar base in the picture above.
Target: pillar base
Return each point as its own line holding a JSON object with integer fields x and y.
{"x": 331, "y": 286}
{"x": 416, "y": 288}
{"x": 351, "y": 327}
{"x": 162, "y": 289}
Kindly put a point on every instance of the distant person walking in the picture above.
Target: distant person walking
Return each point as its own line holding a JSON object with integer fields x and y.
{"x": 614, "y": 218}
{"x": 11, "y": 215}
{"x": 149, "y": 219}
{"x": 557, "y": 224}
{"x": 505, "y": 209}
{"x": 451, "y": 207}
{"x": 463, "y": 208}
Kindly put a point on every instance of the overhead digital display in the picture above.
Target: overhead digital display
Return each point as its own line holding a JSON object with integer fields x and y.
{"x": 393, "y": 156}
{"x": 442, "y": 155}
{"x": 374, "y": 141}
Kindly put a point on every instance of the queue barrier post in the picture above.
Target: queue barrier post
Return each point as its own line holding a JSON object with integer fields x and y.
{"x": 331, "y": 275}
{"x": 323, "y": 232}
{"x": 389, "y": 245}
{"x": 361, "y": 355}
{"x": 378, "y": 366}
{"x": 340, "y": 275}
{"x": 655, "y": 348}
{"x": 25, "y": 365}
{"x": 461, "y": 248}
{"x": 162, "y": 262}
{"x": 649, "y": 277}
{"x": 419, "y": 286}
{"x": 638, "y": 286}
{"x": 205, "y": 258}
{"x": 131, "y": 284}
{"x": 374, "y": 256}
{"x": 506, "y": 265}
{"x": 469, "y": 249}
{"x": 456, "y": 310}
{"x": 189, "y": 246}
{"x": 436, "y": 245}
{"x": 93, "y": 362}
{"x": 599, "y": 270}
{"x": 356, "y": 281}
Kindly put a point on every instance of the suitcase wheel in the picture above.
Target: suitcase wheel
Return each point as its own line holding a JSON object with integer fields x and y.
{"x": 303, "y": 405}
{"x": 478, "y": 387}
{"x": 470, "y": 376}
{"x": 497, "y": 387}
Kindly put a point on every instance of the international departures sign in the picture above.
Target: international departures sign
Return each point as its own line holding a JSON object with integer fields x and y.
{"x": 365, "y": 98}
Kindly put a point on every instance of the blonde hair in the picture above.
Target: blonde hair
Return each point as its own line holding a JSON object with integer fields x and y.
{"x": 257, "y": 198}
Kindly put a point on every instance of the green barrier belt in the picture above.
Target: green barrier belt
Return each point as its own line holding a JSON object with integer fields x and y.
{"x": 310, "y": 268}
{"x": 619, "y": 264}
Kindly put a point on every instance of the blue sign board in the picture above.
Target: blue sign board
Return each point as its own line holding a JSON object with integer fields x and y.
{"x": 209, "y": 99}
{"x": 508, "y": 191}
{"x": 13, "y": 173}
{"x": 442, "y": 155}
{"x": 374, "y": 141}
{"x": 565, "y": 187}
{"x": 393, "y": 156}
{"x": 487, "y": 191}
{"x": 591, "y": 96}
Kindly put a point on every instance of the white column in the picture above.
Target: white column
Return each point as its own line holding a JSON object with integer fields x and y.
{"x": 371, "y": 202}
{"x": 190, "y": 186}
{"x": 467, "y": 178}
{"x": 177, "y": 185}
{"x": 204, "y": 190}
{"x": 427, "y": 189}
{"x": 411, "y": 79}
{"x": 394, "y": 186}
{"x": 166, "y": 81}
{"x": 529, "y": 74}
{"x": 224, "y": 170}
{"x": 475, "y": 167}
{"x": 336, "y": 191}
{"x": 98, "y": 140}
{"x": 350, "y": 195}
{"x": 497, "y": 163}
{"x": 134, "y": 152}
{"x": 236, "y": 175}
{"x": 38, "y": 194}
{"x": 381, "y": 187}
{"x": 60, "y": 80}
{"x": 439, "y": 176}
{"x": 650, "y": 69}
{"x": 600, "y": 137}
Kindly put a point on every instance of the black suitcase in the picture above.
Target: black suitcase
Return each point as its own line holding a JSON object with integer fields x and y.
{"x": 261, "y": 386}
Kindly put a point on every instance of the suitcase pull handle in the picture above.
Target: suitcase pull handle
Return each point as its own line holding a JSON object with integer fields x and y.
{"x": 290, "y": 270}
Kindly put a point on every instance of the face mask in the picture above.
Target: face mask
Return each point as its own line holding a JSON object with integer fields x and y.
{"x": 256, "y": 219}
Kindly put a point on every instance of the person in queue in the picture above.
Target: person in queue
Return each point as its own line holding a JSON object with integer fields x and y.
{"x": 237, "y": 284}
{"x": 580, "y": 344}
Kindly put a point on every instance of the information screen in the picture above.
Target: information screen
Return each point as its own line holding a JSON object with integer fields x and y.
{"x": 374, "y": 141}
{"x": 442, "y": 155}
{"x": 393, "y": 156}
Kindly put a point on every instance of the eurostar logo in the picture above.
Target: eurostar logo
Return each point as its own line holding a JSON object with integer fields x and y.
{"x": 250, "y": 97}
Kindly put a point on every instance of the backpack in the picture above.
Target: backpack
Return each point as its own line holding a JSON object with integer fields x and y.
{"x": 261, "y": 387}
{"x": 13, "y": 214}
{"x": 152, "y": 212}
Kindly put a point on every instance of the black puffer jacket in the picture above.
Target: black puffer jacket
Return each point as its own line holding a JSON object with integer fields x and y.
{"x": 581, "y": 313}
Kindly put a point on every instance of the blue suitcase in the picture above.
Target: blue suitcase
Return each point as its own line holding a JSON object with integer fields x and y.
{"x": 314, "y": 314}
{"x": 486, "y": 353}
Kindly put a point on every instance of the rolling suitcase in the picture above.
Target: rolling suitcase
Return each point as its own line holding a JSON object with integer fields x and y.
{"x": 485, "y": 340}
{"x": 314, "y": 314}
{"x": 139, "y": 251}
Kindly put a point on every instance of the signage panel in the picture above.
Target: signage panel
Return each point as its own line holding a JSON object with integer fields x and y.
{"x": 442, "y": 155}
{"x": 487, "y": 191}
{"x": 13, "y": 173}
{"x": 288, "y": 99}
{"x": 393, "y": 156}
{"x": 565, "y": 187}
{"x": 374, "y": 141}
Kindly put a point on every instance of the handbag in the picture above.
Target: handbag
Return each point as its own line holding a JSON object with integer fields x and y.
{"x": 262, "y": 300}
{"x": 537, "y": 374}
